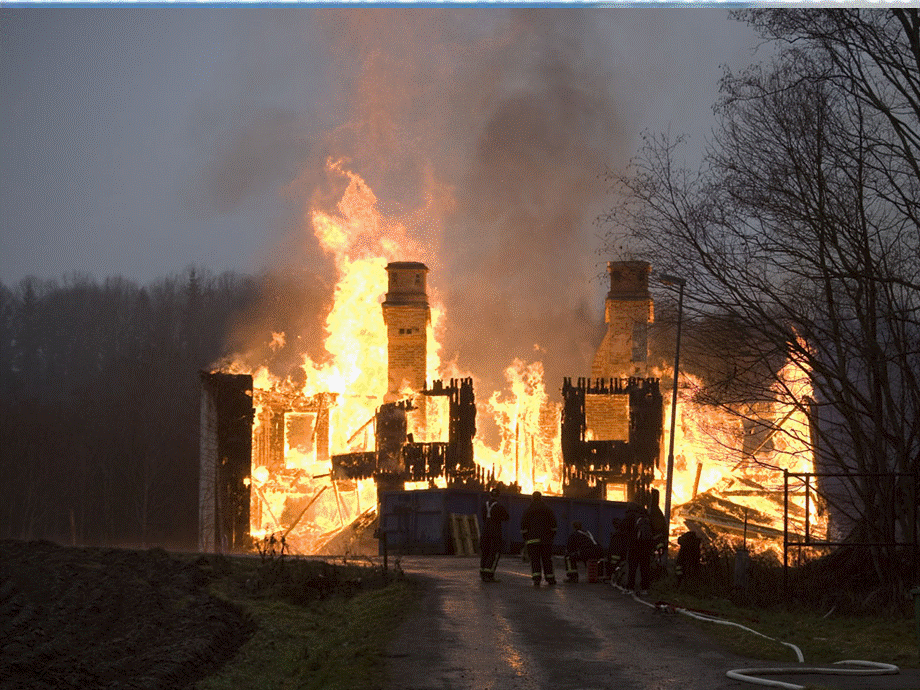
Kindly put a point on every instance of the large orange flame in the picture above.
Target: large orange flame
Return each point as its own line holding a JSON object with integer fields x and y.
{"x": 362, "y": 241}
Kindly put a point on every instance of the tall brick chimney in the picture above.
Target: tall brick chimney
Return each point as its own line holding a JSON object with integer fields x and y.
{"x": 406, "y": 315}
{"x": 628, "y": 312}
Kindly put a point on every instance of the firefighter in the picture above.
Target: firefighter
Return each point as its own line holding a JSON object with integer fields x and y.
{"x": 490, "y": 541}
{"x": 687, "y": 564}
{"x": 581, "y": 546}
{"x": 616, "y": 550}
{"x": 660, "y": 531}
{"x": 538, "y": 525}
{"x": 641, "y": 547}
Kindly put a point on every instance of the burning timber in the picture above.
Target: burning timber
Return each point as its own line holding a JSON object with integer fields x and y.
{"x": 611, "y": 435}
{"x": 399, "y": 458}
{"x": 311, "y": 465}
{"x": 726, "y": 510}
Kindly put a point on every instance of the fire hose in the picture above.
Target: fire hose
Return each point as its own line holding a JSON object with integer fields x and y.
{"x": 870, "y": 668}
{"x": 750, "y": 675}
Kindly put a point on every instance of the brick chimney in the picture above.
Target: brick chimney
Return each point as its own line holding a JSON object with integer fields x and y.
{"x": 628, "y": 313}
{"x": 406, "y": 315}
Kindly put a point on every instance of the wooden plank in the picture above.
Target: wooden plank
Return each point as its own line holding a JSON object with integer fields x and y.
{"x": 464, "y": 530}
{"x": 468, "y": 549}
{"x": 455, "y": 534}
{"x": 474, "y": 533}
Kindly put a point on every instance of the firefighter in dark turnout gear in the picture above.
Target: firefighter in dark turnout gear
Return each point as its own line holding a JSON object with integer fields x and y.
{"x": 581, "y": 546}
{"x": 660, "y": 530}
{"x": 616, "y": 551}
{"x": 641, "y": 546}
{"x": 687, "y": 564}
{"x": 538, "y": 525}
{"x": 490, "y": 541}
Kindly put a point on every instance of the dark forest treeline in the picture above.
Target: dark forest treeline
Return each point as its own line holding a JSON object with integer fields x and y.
{"x": 99, "y": 404}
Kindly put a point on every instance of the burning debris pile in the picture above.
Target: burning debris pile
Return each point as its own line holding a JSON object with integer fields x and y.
{"x": 741, "y": 510}
{"x": 729, "y": 467}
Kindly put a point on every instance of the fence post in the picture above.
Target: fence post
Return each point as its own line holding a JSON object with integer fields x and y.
{"x": 915, "y": 592}
{"x": 786, "y": 535}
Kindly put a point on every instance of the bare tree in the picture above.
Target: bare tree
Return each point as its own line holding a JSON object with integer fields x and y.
{"x": 801, "y": 228}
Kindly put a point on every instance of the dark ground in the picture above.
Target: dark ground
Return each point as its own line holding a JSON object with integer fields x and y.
{"x": 110, "y": 618}
{"x": 508, "y": 635}
{"x": 113, "y": 618}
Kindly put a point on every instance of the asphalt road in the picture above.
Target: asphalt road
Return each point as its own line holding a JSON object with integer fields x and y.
{"x": 509, "y": 635}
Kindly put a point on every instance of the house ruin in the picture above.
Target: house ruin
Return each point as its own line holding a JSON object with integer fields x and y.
{"x": 610, "y": 425}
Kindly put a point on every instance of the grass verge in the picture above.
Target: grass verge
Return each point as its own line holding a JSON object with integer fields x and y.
{"x": 330, "y": 637}
{"x": 822, "y": 639}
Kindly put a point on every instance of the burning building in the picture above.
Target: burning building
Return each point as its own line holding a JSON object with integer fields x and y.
{"x": 266, "y": 448}
{"x": 728, "y": 470}
{"x": 411, "y": 441}
{"x": 306, "y": 459}
{"x": 611, "y": 425}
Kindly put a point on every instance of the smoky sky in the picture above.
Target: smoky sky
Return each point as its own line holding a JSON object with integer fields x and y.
{"x": 137, "y": 141}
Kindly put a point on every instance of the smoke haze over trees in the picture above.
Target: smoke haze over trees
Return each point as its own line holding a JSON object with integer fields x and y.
{"x": 99, "y": 399}
{"x": 802, "y": 229}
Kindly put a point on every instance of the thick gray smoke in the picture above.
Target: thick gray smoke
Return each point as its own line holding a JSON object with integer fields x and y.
{"x": 507, "y": 120}
{"x": 520, "y": 243}
{"x": 500, "y": 124}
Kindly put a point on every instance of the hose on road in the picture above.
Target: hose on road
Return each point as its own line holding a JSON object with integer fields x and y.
{"x": 749, "y": 675}
{"x": 871, "y": 668}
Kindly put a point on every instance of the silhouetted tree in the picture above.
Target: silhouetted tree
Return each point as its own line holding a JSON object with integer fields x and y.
{"x": 802, "y": 228}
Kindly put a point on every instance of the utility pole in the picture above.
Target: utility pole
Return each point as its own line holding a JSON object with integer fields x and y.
{"x": 679, "y": 283}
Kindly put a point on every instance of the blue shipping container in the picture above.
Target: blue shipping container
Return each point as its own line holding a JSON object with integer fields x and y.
{"x": 418, "y": 522}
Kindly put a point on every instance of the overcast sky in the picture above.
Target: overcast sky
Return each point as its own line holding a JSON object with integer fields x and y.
{"x": 137, "y": 141}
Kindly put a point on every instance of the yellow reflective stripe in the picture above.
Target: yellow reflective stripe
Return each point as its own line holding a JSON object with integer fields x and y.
{"x": 533, "y": 541}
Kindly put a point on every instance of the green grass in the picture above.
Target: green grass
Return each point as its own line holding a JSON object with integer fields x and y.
{"x": 320, "y": 625}
{"x": 822, "y": 639}
{"x": 306, "y": 642}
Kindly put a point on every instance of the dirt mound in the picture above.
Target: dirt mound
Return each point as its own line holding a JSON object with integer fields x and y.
{"x": 110, "y": 618}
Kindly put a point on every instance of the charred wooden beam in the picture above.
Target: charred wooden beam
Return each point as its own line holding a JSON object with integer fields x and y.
{"x": 225, "y": 461}
{"x": 632, "y": 461}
